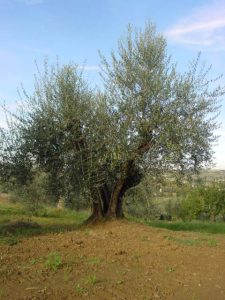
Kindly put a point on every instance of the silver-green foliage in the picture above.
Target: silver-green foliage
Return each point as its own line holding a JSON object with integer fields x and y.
{"x": 148, "y": 117}
{"x": 156, "y": 108}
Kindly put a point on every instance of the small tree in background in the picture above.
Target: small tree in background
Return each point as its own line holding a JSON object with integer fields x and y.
{"x": 148, "y": 118}
{"x": 140, "y": 201}
{"x": 214, "y": 200}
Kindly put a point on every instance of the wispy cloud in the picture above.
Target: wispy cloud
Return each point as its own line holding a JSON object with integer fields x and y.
{"x": 3, "y": 123}
{"x": 34, "y": 49}
{"x": 204, "y": 27}
{"x": 88, "y": 68}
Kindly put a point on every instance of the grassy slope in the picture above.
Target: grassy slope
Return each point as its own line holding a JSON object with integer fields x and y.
{"x": 196, "y": 226}
{"x": 206, "y": 227}
{"x": 51, "y": 220}
{"x": 16, "y": 222}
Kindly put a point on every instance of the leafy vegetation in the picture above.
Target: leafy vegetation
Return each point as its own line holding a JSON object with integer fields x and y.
{"x": 193, "y": 242}
{"x": 92, "y": 279}
{"x": 81, "y": 290}
{"x": 70, "y": 142}
{"x": 205, "y": 227}
{"x": 16, "y": 222}
{"x": 178, "y": 198}
{"x": 53, "y": 261}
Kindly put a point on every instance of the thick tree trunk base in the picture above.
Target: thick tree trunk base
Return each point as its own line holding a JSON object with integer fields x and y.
{"x": 93, "y": 219}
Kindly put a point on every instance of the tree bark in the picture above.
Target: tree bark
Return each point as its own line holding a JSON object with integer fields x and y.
{"x": 97, "y": 210}
{"x": 115, "y": 200}
{"x": 119, "y": 208}
{"x": 105, "y": 198}
{"x": 109, "y": 203}
{"x": 97, "y": 213}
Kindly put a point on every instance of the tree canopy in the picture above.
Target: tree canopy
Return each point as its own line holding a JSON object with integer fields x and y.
{"x": 148, "y": 118}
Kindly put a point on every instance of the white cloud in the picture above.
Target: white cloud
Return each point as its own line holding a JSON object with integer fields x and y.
{"x": 12, "y": 107}
{"x": 88, "y": 68}
{"x": 3, "y": 123}
{"x": 204, "y": 27}
{"x": 28, "y": 48}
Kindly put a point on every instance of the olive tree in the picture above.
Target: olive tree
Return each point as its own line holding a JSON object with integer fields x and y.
{"x": 162, "y": 119}
{"x": 147, "y": 118}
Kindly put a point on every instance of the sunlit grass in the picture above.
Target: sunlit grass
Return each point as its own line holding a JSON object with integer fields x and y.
{"x": 16, "y": 221}
{"x": 206, "y": 227}
{"x": 196, "y": 226}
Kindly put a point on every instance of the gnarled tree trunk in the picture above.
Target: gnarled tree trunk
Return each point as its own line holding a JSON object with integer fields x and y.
{"x": 115, "y": 199}
{"x": 108, "y": 203}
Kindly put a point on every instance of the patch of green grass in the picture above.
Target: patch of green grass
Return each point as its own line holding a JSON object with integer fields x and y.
{"x": 11, "y": 209}
{"x": 16, "y": 222}
{"x": 9, "y": 240}
{"x": 35, "y": 261}
{"x": 91, "y": 279}
{"x": 53, "y": 261}
{"x": 87, "y": 231}
{"x": 66, "y": 277}
{"x": 193, "y": 242}
{"x": 205, "y": 227}
{"x": 94, "y": 261}
{"x": 81, "y": 290}
{"x": 212, "y": 243}
{"x": 196, "y": 226}
{"x": 186, "y": 242}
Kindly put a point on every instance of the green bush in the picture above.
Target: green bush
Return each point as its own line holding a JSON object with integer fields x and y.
{"x": 140, "y": 202}
{"x": 53, "y": 261}
{"x": 34, "y": 195}
{"x": 201, "y": 203}
{"x": 193, "y": 205}
{"x": 214, "y": 201}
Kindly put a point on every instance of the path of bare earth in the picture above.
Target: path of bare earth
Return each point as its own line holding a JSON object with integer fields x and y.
{"x": 115, "y": 260}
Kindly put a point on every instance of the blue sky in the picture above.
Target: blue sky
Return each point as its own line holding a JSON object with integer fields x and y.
{"x": 75, "y": 30}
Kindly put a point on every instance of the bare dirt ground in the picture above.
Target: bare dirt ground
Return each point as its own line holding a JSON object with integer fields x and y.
{"x": 4, "y": 198}
{"x": 115, "y": 260}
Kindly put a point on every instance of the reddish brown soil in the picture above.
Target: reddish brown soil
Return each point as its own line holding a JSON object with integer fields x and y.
{"x": 4, "y": 198}
{"x": 115, "y": 260}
